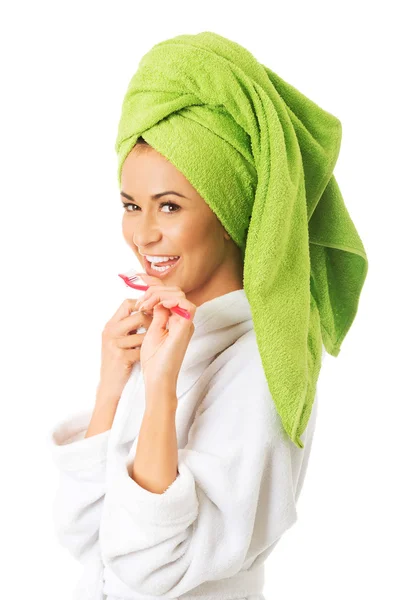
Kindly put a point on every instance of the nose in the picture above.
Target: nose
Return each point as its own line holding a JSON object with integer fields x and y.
{"x": 146, "y": 232}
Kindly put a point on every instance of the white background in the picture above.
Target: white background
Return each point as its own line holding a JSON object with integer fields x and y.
{"x": 65, "y": 70}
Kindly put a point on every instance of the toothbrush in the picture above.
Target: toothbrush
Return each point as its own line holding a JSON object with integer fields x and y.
{"x": 133, "y": 280}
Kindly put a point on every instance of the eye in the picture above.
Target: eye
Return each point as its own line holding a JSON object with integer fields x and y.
{"x": 170, "y": 204}
{"x": 126, "y": 204}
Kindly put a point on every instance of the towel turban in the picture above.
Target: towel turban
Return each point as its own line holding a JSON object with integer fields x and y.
{"x": 261, "y": 154}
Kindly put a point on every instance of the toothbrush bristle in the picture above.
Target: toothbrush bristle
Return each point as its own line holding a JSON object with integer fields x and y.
{"x": 131, "y": 275}
{"x": 132, "y": 279}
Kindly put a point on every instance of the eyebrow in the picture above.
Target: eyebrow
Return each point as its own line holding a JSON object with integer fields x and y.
{"x": 154, "y": 196}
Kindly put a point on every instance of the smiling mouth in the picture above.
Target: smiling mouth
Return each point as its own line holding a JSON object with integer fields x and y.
{"x": 160, "y": 273}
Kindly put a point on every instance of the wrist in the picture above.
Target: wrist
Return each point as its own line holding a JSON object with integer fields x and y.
{"x": 164, "y": 384}
{"x": 106, "y": 398}
{"x": 161, "y": 394}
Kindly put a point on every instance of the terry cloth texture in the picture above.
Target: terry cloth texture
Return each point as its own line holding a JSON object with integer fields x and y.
{"x": 208, "y": 535}
{"x": 261, "y": 154}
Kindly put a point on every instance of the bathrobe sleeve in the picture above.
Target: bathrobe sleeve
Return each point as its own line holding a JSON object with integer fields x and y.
{"x": 232, "y": 499}
{"x": 81, "y": 464}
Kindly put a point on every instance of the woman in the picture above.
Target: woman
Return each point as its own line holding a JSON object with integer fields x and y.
{"x": 186, "y": 473}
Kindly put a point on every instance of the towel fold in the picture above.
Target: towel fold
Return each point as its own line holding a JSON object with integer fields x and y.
{"x": 261, "y": 154}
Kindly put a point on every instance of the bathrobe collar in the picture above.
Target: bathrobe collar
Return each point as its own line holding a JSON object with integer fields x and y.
{"x": 218, "y": 324}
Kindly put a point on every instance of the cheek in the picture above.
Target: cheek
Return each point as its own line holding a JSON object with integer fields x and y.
{"x": 198, "y": 233}
{"x": 127, "y": 234}
{"x": 127, "y": 228}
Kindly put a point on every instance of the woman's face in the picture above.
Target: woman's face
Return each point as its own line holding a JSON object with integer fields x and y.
{"x": 211, "y": 264}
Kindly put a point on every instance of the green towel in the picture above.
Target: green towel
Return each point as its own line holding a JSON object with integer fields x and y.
{"x": 261, "y": 154}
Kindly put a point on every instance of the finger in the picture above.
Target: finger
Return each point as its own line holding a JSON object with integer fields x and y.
{"x": 159, "y": 289}
{"x": 133, "y": 355}
{"x": 159, "y": 293}
{"x": 134, "y": 340}
{"x": 160, "y": 318}
{"x": 126, "y": 308}
{"x": 123, "y": 327}
{"x": 158, "y": 296}
{"x": 150, "y": 279}
{"x": 170, "y": 302}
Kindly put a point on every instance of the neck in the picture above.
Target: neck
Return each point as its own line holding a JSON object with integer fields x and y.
{"x": 227, "y": 278}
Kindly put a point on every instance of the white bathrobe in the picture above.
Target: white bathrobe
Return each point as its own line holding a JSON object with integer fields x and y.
{"x": 209, "y": 534}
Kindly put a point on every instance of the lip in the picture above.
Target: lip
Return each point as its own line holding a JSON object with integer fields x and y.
{"x": 150, "y": 271}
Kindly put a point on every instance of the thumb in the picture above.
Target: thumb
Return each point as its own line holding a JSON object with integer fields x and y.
{"x": 160, "y": 316}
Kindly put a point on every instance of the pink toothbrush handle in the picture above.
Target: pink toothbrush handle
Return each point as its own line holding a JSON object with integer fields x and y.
{"x": 180, "y": 311}
{"x": 175, "y": 309}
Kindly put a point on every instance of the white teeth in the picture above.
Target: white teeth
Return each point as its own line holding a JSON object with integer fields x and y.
{"x": 161, "y": 269}
{"x": 157, "y": 259}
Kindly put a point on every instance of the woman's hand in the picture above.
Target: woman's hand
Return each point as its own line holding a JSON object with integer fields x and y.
{"x": 163, "y": 350}
{"x": 121, "y": 348}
